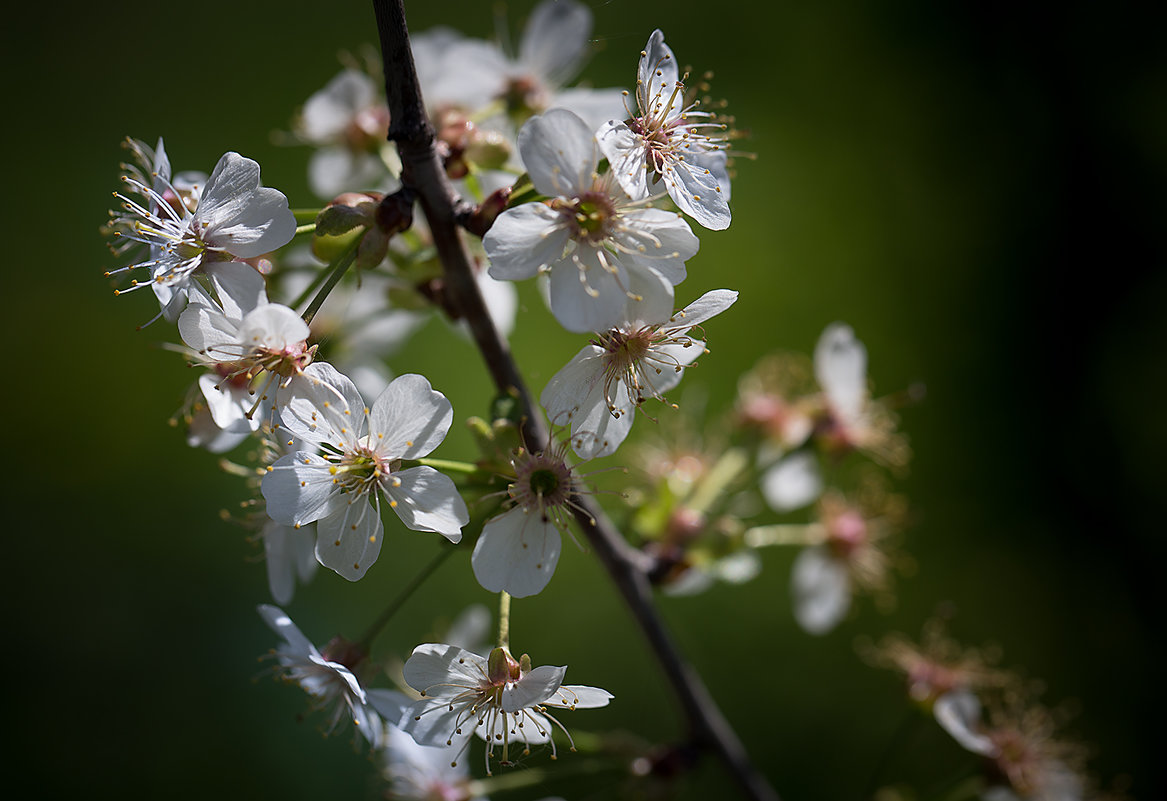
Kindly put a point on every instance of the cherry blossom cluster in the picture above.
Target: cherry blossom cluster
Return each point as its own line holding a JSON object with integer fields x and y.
{"x": 293, "y": 318}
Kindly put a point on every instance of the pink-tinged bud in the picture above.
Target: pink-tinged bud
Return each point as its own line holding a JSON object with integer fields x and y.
{"x": 502, "y": 668}
{"x": 846, "y": 531}
{"x": 479, "y": 221}
{"x": 684, "y": 525}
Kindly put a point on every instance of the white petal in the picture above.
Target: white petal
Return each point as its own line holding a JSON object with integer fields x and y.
{"x": 282, "y": 625}
{"x": 427, "y": 500}
{"x": 555, "y": 40}
{"x": 516, "y": 553}
{"x": 337, "y": 169}
{"x": 625, "y": 151}
{"x": 438, "y": 669}
{"x": 431, "y": 722}
{"x": 699, "y": 192}
{"x": 656, "y": 77}
{"x": 349, "y": 540}
{"x": 204, "y": 328}
{"x": 594, "y": 106}
{"x": 959, "y": 713}
{"x": 298, "y": 489}
{"x": 653, "y": 299}
{"x": 409, "y": 419}
{"x": 532, "y": 689}
{"x": 822, "y": 590}
{"x": 229, "y": 404}
{"x": 329, "y": 112}
{"x": 793, "y": 483}
{"x": 284, "y": 550}
{"x": 239, "y": 215}
{"x": 322, "y": 405}
{"x": 559, "y": 152}
{"x": 240, "y": 287}
{"x": 523, "y": 240}
{"x": 584, "y": 295}
{"x": 840, "y": 366}
{"x": 579, "y": 696}
{"x": 660, "y": 239}
{"x": 708, "y": 305}
{"x": 272, "y": 326}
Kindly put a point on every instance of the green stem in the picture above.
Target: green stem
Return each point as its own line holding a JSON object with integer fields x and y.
{"x": 785, "y": 534}
{"x": 504, "y": 620}
{"x": 339, "y": 267}
{"x": 446, "y": 465}
{"x": 306, "y": 228}
{"x": 305, "y": 215}
{"x": 518, "y": 779}
{"x": 727, "y": 469}
{"x": 442, "y": 555}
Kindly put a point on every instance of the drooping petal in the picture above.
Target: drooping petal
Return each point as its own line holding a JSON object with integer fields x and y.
{"x": 708, "y": 305}
{"x": 282, "y": 625}
{"x": 840, "y": 366}
{"x": 299, "y": 489}
{"x": 516, "y": 553}
{"x": 559, "y": 152}
{"x": 438, "y": 669}
{"x": 523, "y": 240}
{"x": 625, "y": 151}
{"x": 793, "y": 483}
{"x": 349, "y": 540}
{"x": 579, "y": 696}
{"x": 532, "y": 689}
{"x": 555, "y": 39}
{"x": 427, "y": 500}
{"x": 409, "y": 419}
{"x": 698, "y": 192}
{"x": 289, "y": 552}
{"x": 959, "y": 713}
{"x": 821, "y": 588}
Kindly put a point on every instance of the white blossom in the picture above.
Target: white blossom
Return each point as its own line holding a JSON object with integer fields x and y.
{"x": 348, "y": 122}
{"x": 518, "y": 550}
{"x": 503, "y": 701}
{"x": 235, "y": 219}
{"x": 342, "y": 487}
{"x": 605, "y": 253}
{"x": 670, "y": 140}
{"x": 600, "y": 389}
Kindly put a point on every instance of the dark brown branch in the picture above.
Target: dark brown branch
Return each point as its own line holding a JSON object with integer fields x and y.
{"x": 422, "y": 171}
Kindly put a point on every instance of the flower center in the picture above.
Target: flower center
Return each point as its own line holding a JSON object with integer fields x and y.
{"x": 589, "y": 215}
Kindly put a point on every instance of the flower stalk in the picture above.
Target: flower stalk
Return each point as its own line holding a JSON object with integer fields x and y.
{"x": 422, "y": 171}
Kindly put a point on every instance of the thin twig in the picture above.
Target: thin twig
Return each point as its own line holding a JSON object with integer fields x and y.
{"x": 422, "y": 170}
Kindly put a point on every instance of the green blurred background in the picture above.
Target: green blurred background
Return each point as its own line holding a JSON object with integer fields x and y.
{"x": 975, "y": 187}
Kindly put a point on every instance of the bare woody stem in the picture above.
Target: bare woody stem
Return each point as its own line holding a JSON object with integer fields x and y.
{"x": 422, "y": 171}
